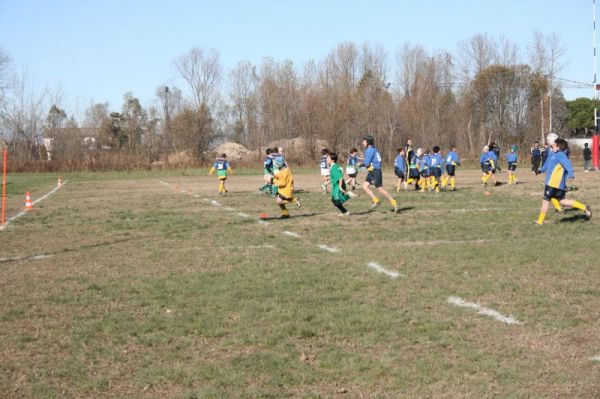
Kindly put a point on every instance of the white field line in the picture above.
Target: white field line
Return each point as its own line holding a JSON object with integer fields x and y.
{"x": 205, "y": 200}
{"x": 595, "y": 358}
{"x": 242, "y": 214}
{"x": 328, "y": 249}
{"x": 483, "y": 310}
{"x": 196, "y": 196}
{"x": 377, "y": 267}
{"x": 18, "y": 215}
{"x": 215, "y": 203}
{"x": 291, "y": 234}
{"x": 18, "y": 258}
{"x": 263, "y": 223}
{"x": 230, "y": 209}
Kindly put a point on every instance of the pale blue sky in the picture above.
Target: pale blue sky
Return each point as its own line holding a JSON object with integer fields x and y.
{"x": 98, "y": 50}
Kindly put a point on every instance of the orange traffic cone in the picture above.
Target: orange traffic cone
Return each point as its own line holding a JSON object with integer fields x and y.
{"x": 28, "y": 203}
{"x": 59, "y": 182}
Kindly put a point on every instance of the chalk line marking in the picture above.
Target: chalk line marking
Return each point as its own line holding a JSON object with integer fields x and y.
{"x": 291, "y": 234}
{"x": 262, "y": 246}
{"x": 595, "y": 358}
{"x": 196, "y": 196}
{"x": 377, "y": 267}
{"x": 205, "y": 200}
{"x": 230, "y": 209}
{"x": 263, "y": 223}
{"x": 18, "y": 215}
{"x": 483, "y": 310}
{"x": 242, "y": 214}
{"x": 30, "y": 257}
{"x": 333, "y": 250}
{"x": 215, "y": 203}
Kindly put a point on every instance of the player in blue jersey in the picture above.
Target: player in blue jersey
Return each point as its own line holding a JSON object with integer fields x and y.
{"x": 488, "y": 165}
{"x": 414, "y": 175}
{"x": 400, "y": 169}
{"x": 324, "y": 166}
{"x": 424, "y": 169}
{"x": 352, "y": 164}
{"x": 222, "y": 167}
{"x": 558, "y": 167}
{"x": 374, "y": 177}
{"x": 451, "y": 161}
{"x": 436, "y": 162}
{"x": 512, "y": 160}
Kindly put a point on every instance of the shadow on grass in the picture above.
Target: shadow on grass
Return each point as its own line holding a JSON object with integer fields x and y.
{"x": 293, "y": 216}
{"x": 575, "y": 218}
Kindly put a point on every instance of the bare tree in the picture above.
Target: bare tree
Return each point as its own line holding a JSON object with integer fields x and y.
{"x": 201, "y": 70}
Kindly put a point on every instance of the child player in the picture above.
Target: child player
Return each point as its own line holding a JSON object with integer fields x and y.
{"x": 511, "y": 160}
{"x": 558, "y": 167}
{"x": 451, "y": 161}
{"x": 339, "y": 195}
{"x": 352, "y": 168}
{"x": 400, "y": 169}
{"x": 424, "y": 164}
{"x": 413, "y": 167}
{"x": 324, "y": 169}
{"x": 436, "y": 161}
{"x": 372, "y": 162}
{"x": 488, "y": 165}
{"x": 267, "y": 173}
{"x": 285, "y": 187}
{"x": 222, "y": 167}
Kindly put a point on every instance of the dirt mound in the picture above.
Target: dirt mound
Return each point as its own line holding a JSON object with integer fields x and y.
{"x": 234, "y": 151}
{"x": 299, "y": 148}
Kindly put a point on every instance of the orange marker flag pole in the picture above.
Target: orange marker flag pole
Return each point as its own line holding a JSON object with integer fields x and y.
{"x": 3, "y": 186}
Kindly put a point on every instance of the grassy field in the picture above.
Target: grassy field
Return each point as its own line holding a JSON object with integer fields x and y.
{"x": 119, "y": 285}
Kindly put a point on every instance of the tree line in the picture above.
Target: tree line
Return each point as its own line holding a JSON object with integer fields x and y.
{"x": 487, "y": 89}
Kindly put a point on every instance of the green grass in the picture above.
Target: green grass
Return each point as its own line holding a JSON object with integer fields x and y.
{"x": 154, "y": 293}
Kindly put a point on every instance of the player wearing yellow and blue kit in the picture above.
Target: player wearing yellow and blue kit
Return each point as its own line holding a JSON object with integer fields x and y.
{"x": 512, "y": 160}
{"x": 436, "y": 162}
{"x": 424, "y": 169}
{"x": 558, "y": 167}
{"x": 372, "y": 162}
{"x": 222, "y": 167}
{"x": 488, "y": 165}
{"x": 414, "y": 175}
{"x": 451, "y": 160}
{"x": 400, "y": 169}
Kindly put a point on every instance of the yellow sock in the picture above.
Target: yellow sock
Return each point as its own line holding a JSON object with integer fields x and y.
{"x": 541, "y": 217}
{"x": 452, "y": 181}
{"x": 375, "y": 200}
{"x": 393, "y": 202}
{"x": 485, "y": 178}
{"x": 410, "y": 181}
{"x": 445, "y": 180}
{"x": 578, "y": 205}
{"x": 221, "y": 187}
{"x": 556, "y": 204}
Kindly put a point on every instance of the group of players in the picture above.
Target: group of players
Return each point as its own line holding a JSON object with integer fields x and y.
{"x": 421, "y": 167}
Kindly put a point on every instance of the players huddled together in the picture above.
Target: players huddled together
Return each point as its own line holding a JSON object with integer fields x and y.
{"x": 429, "y": 170}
